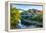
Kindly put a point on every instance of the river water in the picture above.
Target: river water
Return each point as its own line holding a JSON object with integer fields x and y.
{"x": 23, "y": 26}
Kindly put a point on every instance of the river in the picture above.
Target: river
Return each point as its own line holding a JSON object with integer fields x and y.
{"x": 28, "y": 24}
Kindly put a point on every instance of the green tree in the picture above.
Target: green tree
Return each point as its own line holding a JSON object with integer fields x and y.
{"x": 14, "y": 17}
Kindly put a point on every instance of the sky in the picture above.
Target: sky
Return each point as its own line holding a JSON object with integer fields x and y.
{"x": 26, "y": 7}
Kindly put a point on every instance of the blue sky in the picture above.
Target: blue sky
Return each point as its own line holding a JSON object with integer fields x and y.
{"x": 26, "y": 7}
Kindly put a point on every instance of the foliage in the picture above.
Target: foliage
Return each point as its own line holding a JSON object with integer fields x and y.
{"x": 38, "y": 18}
{"x": 34, "y": 16}
{"x": 14, "y": 16}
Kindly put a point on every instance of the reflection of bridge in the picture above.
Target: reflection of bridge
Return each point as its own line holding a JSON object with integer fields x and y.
{"x": 33, "y": 22}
